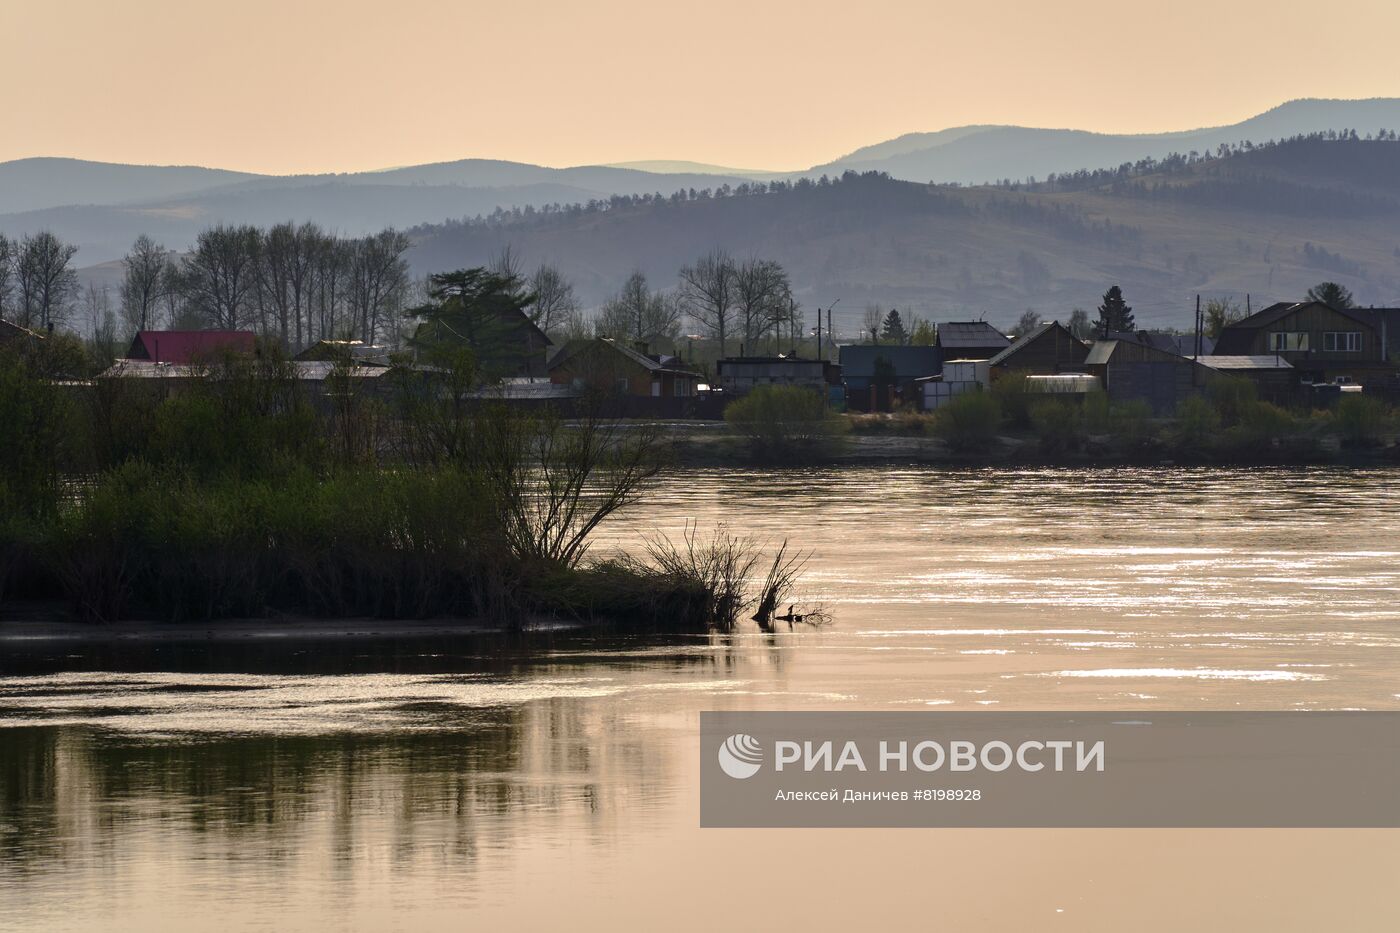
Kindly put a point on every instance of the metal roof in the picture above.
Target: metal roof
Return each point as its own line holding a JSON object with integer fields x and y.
{"x": 1244, "y": 362}
{"x": 971, "y": 334}
{"x": 1100, "y": 352}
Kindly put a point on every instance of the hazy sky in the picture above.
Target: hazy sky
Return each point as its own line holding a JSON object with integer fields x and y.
{"x": 309, "y": 85}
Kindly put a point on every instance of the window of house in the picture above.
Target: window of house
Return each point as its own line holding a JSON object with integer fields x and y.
{"x": 622, "y": 384}
{"x": 1342, "y": 341}
{"x": 1285, "y": 341}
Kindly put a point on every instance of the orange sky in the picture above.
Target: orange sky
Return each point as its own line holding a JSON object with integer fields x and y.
{"x": 308, "y": 85}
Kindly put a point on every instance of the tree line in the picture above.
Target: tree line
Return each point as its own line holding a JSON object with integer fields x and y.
{"x": 297, "y": 283}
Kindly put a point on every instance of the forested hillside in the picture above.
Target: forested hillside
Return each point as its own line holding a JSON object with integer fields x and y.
{"x": 1268, "y": 221}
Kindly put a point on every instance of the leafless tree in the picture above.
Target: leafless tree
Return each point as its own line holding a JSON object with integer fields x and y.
{"x": 144, "y": 283}
{"x": 329, "y": 268}
{"x": 871, "y": 319}
{"x": 97, "y": 306}
{"x": 275, "y": 270}
{"x": 762, "y": 295}
{"x": 9, "y": 255}
{"x": 639, "y": 314}
{"x": 221, "y": 275}
{"x": 555, "y": 302}
{"x": 46, "y": 283}
{"x": 508, "y": 264}
{"x": 1028, "y": 322}
{"x": 378, "y": 280}
{"x": 707, "y": 294}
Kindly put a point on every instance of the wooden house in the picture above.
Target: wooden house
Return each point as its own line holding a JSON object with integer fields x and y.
{"x": 1322, "y": 343}
{"x": 605, "y": 363}
{"x": 1132, "y": 370}
{"x": 1047, "y": 349}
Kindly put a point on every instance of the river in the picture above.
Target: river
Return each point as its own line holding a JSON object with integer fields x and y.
{"x": 449, "y": 784}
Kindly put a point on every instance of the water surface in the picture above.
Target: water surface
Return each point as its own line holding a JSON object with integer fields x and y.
{"x": 440, "y": 783}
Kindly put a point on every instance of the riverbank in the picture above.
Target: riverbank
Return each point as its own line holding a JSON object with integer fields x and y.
{"x": 48, "y": 623}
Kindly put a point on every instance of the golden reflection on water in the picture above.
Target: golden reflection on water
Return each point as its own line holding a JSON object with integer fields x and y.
{"x": 443, "y": 785}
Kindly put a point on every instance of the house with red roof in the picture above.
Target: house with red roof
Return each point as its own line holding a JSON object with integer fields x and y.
{"x": 187, "y": 347}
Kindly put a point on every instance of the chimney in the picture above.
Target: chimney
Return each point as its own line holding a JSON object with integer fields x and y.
{"x": 640, "y": 346}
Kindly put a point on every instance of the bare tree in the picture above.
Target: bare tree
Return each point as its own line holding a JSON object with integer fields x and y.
{"x": 871, "y": 319}
{"x": 221, "y": 275}
{"x": 275, "y": 271}
{"x": 378, "y": 280}
{"x": 329, "y": 268}
{"x": 555, "y": 303}
{"x": 144, "y": 283}
{"x": 9, "y": 256}
{"x": 707, "y": 293}
{"x": 46, "y": 283}
{"x": 1080, "y": 325}
{"x": 639, "y": 314}
{"x": 508, "y": 264}
{"x": 762, "y": 295}
{"x": 106, "y": 341}
{"x": 1028, "y": 322}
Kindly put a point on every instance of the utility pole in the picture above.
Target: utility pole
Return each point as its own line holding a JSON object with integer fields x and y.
{"x": 1200, "y": 326}
{"x": 819, "y": 332}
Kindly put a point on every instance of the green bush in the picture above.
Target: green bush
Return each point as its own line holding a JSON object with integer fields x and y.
{"x": 1132, "y": 423}
{"x": 1360, "y": 420}
{"x": 969, "y": 422}
{"x": 1098, "y": 416}
{"x": 1058, "y": 425}
{"x": 1014, "y": 399}
{"x": 1233, "y": 398}
{"x": 1197, "y": 423}
{"x": 781, "y": 422}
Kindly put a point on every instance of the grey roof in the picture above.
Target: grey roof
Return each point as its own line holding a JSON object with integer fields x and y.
{"x": 971, "y": 334}
{"x": 1100, "y": 352}
{"x": 1245, "y": 362}
{"x": 1281, "y": 308}
{"x": 1021, "y": 341}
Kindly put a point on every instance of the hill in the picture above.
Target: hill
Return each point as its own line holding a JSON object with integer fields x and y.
{"x": 1268, "y": 221}
{"x": 102, "y": 207}
{"x": 984, "y": 154}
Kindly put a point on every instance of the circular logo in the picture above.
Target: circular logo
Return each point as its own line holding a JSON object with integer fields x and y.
{"x": 740, "y": 756}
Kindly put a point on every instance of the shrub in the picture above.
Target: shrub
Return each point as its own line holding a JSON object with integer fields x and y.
{"x": 1013, "y": 398}
{"x": 969, "y": 422}
{"x": 1098, "y": 416}
{"x": 1132, "y": 422}
{"x": 1232, "y": 398}
{"x": 781, "y": 422}
{"x": 1197, "y": 422}
{"x": 1360, "y": 420}
{"x": 1059, "y": 425}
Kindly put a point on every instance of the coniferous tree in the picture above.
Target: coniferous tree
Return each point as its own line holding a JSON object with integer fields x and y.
{"x": 1114, "y": 313}
{"x": 892, "y": 331}
{"x": 1332, "y": 295}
